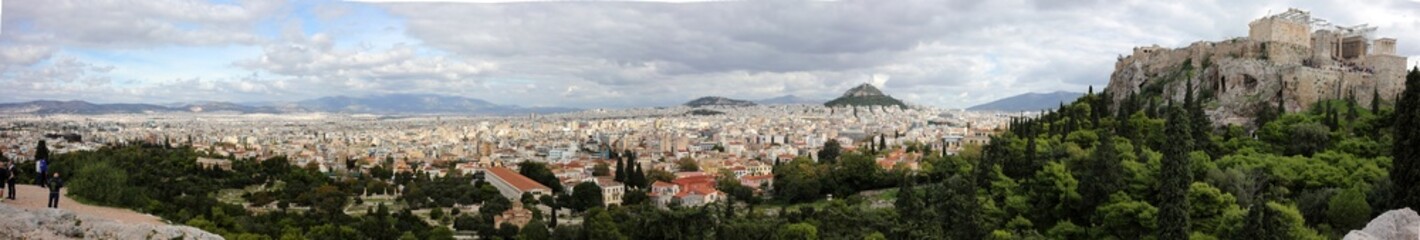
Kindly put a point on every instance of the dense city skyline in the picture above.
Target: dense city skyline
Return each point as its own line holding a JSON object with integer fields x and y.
{"x": 603, "y": 54}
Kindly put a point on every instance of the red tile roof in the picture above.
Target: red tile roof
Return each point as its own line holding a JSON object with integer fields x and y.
{"x": 523, "y": 183}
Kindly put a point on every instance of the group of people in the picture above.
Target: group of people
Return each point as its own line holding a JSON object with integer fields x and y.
{"x": 50, "y": 180}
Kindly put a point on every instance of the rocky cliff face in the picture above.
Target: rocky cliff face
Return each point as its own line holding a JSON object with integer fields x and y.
{"x": 1394, "y": 224}
{"x": 61, "y": 224}
{"x": 1235, "y": 77}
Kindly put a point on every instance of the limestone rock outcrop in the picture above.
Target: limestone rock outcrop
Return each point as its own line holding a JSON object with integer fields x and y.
{"x": 22, "y": 223}
{"x": 1392, "y": 225}
{"x": 1289, "y": 57}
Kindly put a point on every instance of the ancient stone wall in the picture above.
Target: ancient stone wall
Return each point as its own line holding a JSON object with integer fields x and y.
{"x": 1389, "y": 72}
{"x": 1286, "y": 54}
{"x": 1384, "y": 46}
{"x": 1280, "y": 30}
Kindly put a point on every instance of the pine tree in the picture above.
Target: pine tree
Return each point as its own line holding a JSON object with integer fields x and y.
{"x": 1175, "y": 177}
{"x": 1405, "y": 169}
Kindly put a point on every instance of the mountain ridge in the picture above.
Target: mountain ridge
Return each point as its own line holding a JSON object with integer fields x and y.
{"x": 370, "y": 104}
{"x": 1030, "y": 101}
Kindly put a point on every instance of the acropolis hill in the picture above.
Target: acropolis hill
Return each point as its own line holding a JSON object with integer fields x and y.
{"x": 1289, "y": 56}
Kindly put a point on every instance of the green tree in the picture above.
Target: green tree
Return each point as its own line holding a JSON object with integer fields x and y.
{"x": 1174, "y": 178}
{"x": 538, "y": 172}
{"x": 41, "y": 150}
{"x": 1349, "y": 209}
{"x": 634, "y": 197}
{"x": 102, "y": 182}
{"x": 1405, "y": 166}
{"x": 1125, "y": 218}
{"x": 830, "y": 151}
{"x": 586, "y": 195}
{"x": 687, "y": 165}
{"x": 1309, "y": 138}
{"x": 601, "y": 170}
{"x": 797, "y": 181}
{"x": 620, "y": 171}
{"x": 959, "y": 209}
{"x": 1376, "y": 100}
{"x": 436, "y": 214}
{"x": 535, "y": 230}
{"x": 1103, "y": 174}
{"x": 600, "y": 226}
{"x": 659, "y": 175}
{"x": 441, "y": 233}
{"x": 797, "y": 231}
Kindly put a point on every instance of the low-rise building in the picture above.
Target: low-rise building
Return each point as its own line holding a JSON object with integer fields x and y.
{"x": 512, "y": 185}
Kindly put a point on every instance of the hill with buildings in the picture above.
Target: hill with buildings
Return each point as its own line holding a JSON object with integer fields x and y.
{"x": 865, "y": 95}
{"x": 1028, "y": 102}
{"x": 1289, "y": 58}
{"x": 713, "y": 101}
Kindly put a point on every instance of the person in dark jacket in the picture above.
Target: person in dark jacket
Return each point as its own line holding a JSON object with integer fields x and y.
{"x": 54, "y": 185}
{"x": 4, "y": 177}
{"x": 10, "y": 183}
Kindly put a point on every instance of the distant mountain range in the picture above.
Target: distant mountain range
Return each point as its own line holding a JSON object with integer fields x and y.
{"x": 374, "y": 104}
{"x": 865, "y": 95}
{"x": 713, "y": 101}
{"x": 1029, "y": 102}
{"x": 788, "y": 100}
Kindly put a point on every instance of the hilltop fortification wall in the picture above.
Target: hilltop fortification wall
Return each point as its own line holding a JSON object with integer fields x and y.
{"x": 1280, "y": 59}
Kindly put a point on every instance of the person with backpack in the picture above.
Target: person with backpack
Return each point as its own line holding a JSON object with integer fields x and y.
{"x": 54, "y": 185}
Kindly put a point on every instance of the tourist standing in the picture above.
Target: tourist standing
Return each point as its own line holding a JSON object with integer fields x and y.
{"x": 4, "y": 177}
{"x": 41, "y": 167}
{"x": 10, "y": 182}
{"x": 54, "y": 185}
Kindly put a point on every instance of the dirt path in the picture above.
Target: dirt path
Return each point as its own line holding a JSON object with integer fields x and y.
{"x": 35, "y": 197}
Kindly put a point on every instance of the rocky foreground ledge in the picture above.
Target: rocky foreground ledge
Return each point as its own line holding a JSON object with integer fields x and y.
{"x": 20, "y": 223}
{"x": 1394, "y": 224}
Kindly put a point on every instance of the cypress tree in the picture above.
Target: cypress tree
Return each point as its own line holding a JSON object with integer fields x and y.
{"x": 1175, "y": 177}
{"x": 41, "y": 151}
{"x": 961, "y": 213}
{"x": 1405, "y": 169}
{"x": 882, "y": 142}
{"x": 1103, "y": 175}
{"x": 620, "y": 171}
{"x": 1200, "y": 125}
{"x": 991, "y": 156}
{"x": 1376, "y": 100}
{"x": 1153, "y": 111}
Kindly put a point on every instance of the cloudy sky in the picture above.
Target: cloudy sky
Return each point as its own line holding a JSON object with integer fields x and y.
{"x": 593, "y": 54}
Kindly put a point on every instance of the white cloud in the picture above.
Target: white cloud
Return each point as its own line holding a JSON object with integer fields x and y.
{"x": 635, "y": 53}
